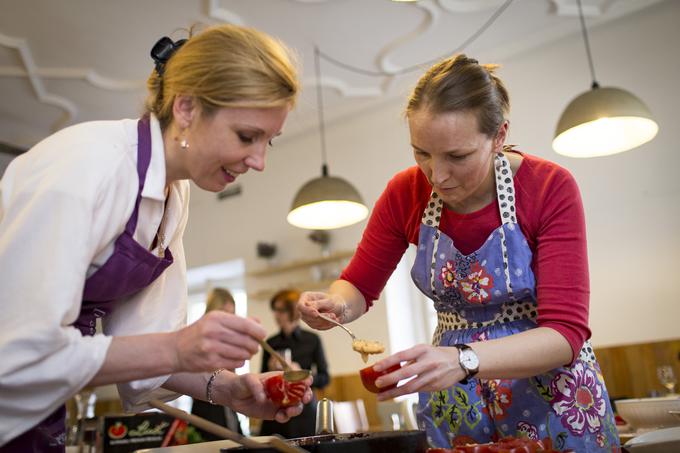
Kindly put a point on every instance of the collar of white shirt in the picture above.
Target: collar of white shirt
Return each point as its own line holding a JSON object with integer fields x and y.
{"x": 154, "y": 186}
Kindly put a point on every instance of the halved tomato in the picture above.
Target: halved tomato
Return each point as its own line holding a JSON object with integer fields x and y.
{"x": 284, "y": 393}
{"x": 369, "y": 375}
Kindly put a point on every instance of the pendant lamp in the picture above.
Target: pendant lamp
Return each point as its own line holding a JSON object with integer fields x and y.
{"x": 602, "y": 121}
{"x": 326, "y": 202}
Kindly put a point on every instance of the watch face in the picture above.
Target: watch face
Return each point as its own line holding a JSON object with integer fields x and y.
{"x": 469, "y": 359}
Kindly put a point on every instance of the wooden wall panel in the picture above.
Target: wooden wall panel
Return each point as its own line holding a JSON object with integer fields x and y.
{"x": 630, "y": 370}
{"x": 348, "y": 387}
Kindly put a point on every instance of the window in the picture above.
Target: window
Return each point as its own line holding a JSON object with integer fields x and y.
{"x": 411, "y": 317}
{"x": 200, "y": 281}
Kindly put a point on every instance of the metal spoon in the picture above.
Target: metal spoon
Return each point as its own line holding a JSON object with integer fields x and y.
{"x": 364, "y": 353}
{"x": 338, "y": 324}
{"x": 289, "y": 374}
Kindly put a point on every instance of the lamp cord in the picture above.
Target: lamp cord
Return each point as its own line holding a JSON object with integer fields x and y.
{"x": 587, "y": 44}
{"x": 419, "y": 67}
{"x": 319, "y": 102}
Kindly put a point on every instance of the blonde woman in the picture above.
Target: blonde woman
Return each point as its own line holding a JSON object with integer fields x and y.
{"x": 220, "y": 299}
{"x": 91, "y": 225}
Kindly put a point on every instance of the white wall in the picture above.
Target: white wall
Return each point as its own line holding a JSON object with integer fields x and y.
{"x": 5, "y": 159}
{"x": 630, "y": 199}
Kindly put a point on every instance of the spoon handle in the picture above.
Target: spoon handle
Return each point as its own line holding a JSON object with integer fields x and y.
{"x": 276, "y": 355}
{"x": 221, "y": 431}
{"x": 338, "y": 324}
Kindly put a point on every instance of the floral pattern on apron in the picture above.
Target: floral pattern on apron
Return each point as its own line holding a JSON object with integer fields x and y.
{"x": 489, "y": 294}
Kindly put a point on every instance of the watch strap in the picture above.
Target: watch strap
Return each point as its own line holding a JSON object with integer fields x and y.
{"x": 468, "y": 372}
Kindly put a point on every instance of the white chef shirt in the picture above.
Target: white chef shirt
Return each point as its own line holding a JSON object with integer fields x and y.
{"x": 62, "y": 206}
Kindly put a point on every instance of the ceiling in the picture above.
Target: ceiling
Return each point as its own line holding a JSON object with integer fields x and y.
{"x": 67, "y": 61}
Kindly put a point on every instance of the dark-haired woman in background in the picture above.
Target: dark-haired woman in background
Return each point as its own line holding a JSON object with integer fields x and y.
{"x": 306, "y": 352}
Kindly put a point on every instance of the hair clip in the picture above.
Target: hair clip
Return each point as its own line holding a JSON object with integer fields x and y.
{"x": 163, "y": 50}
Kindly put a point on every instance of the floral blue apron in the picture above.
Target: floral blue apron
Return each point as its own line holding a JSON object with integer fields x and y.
{"x": 488, "y": 294}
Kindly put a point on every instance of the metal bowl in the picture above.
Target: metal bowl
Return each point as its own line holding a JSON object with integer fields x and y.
{"x": 650, "y": 413}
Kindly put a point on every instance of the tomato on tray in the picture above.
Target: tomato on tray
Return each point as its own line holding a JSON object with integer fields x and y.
{"x": 369, "y": 375}
{"x": 284, "y": 393}
{"x": 505, "y": 445}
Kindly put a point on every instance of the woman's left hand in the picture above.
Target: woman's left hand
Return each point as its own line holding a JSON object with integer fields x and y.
{"x": 245, "y": 394}
{"x": 430, "y": 369}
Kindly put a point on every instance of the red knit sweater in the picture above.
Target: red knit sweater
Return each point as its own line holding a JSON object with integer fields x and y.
{"x": 549, "y": 212}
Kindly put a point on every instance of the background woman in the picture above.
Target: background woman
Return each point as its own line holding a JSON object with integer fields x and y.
{"x": 306, "y": 352}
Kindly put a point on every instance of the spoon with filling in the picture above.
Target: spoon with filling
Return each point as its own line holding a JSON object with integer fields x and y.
{"x": 364, "y": 347}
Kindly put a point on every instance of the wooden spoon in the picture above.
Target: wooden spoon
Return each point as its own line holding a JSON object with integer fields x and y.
{"x": 276, "y": 442}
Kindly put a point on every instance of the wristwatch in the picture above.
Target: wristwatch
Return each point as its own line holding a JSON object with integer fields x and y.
{"x": 468, "y": 360}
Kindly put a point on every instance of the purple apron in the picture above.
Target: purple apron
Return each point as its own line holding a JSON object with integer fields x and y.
{"x": 489, "y": 294}
{"x": 128, "y": 270}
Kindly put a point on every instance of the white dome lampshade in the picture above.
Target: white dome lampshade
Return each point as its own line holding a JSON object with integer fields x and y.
{"x": 326, "y": 203}
{"x": 603, "y": 121}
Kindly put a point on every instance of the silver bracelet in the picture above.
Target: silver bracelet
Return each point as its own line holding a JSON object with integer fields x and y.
{"x": 209, "y": 387}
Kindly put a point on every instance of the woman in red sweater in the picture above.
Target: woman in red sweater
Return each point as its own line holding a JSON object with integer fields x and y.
{"x": 502, "y": 253}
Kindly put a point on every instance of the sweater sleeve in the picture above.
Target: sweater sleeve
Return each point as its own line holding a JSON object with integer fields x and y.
{"x": 383, "y": 242}
{"x": 561, "y": 260}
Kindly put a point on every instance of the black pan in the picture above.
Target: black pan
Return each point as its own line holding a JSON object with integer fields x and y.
{"x": 378, "y": 442}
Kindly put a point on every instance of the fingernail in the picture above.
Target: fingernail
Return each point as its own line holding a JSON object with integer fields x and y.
{"x": 379, "y": 382}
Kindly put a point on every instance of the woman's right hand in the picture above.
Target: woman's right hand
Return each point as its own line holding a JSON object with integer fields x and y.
{"x": 312, "y": 303}
{"x": 217, "y": 340}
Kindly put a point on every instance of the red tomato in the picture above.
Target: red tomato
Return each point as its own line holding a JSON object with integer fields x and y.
{"x": 284, "y": 393}
{"x": 508, "y": 445}
{"x": 463, "y": 440}
{"x": 369, "y": 375}
{"x": 474, "y": 448}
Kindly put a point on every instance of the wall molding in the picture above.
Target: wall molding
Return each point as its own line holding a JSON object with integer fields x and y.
{"x": 591, "y": 8}
{"x": 68, "y": 108}
{"x": 342, "y": 87}
{"x": 467, "y": 6}
{"x": 433, "y": 11}
{"x": 426, "y": 25}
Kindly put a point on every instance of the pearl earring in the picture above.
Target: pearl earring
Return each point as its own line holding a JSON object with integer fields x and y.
{"x": 184, "y": 143}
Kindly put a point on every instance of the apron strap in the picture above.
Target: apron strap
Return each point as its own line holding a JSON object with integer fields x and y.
{"x": 505, "y": 193}
{"x": 143, "y": 160}
{"x": 505, "y": 188}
